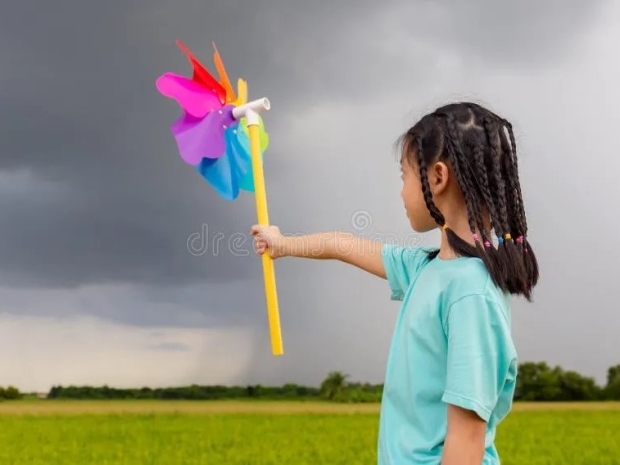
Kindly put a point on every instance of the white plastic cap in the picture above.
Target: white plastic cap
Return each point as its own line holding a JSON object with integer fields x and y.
{"x": 251, "y": 110}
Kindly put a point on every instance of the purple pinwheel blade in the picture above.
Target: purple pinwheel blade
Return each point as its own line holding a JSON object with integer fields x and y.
{"x": 199, "y": 138}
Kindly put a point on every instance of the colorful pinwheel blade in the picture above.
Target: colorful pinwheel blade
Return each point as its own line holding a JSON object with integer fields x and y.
{"x": 199, "y": 138}
{"x": 218, "y": 173}
{"x": 229, "y": 173}
{"x": 221, "y": 71}
{"x": 202, "y": 76}
{"x": 191, "y": 96}
{"x": 240, "y": 144}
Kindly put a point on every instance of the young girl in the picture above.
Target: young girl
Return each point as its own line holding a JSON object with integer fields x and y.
{"x": 452, "y": 364}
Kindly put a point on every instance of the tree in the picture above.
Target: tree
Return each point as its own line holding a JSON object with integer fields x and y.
{"x": 575, "y": 387}
{"x": 537, "y": 381}
{"x": 334, "y": 386}
{"x": 613, "y": 374}
{"x": 612, "y": 389}
{"x": 12, "y": 393}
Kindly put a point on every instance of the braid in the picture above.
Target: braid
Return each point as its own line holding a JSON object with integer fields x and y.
{"x": 528, "y": 258}
{"x": 515, "y": 173}
{"x": 513, "y": 176}
{"x": 481, "y": 175}
{"x": 426, "y": 190}
{"x": 496, "y": 174}
{"x": 456, "y": 158}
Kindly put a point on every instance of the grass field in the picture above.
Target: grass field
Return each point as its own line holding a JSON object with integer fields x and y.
{"x": 296, "y": 433}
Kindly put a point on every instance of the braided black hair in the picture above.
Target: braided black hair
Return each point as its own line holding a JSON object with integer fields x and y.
{"x": 480, "y": 148}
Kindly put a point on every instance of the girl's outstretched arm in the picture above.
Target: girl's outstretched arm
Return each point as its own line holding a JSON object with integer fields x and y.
{"x": 332, "y": 245}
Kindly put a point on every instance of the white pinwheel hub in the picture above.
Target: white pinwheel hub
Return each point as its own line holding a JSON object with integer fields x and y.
{"x": 251, "y": 110}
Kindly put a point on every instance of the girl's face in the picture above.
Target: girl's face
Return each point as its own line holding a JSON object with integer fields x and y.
{"x": 413, "y": 197}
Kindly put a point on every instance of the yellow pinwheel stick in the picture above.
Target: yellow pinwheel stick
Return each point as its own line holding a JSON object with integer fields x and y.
{"x": 250, "y": 111}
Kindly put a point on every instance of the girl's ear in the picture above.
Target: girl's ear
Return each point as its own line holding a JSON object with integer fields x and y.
{"x": 438, "y": 177}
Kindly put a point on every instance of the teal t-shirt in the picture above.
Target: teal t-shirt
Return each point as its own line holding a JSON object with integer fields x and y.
{"x": 452, "y": 344}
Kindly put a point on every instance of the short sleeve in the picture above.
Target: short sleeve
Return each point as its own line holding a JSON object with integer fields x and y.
{"x": 402, "y": 264}
{"x": 481, "y": 354}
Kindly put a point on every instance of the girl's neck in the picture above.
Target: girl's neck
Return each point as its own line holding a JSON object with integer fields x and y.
{"x": 445, "y": 251}
{"x": 459, "y": 225}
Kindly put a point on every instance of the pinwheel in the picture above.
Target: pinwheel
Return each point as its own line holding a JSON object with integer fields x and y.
{"x": 222, "y": 136}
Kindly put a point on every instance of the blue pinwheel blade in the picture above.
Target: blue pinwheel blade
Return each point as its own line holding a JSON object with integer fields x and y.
{"x": 219, "y": 173}
{"x": 233, "y": 170}
{"x": 243, "y": 144}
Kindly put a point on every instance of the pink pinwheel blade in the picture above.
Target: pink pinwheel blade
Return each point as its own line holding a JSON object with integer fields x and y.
{"x": 199, "y": 138}
{"x": 191, "y": 96}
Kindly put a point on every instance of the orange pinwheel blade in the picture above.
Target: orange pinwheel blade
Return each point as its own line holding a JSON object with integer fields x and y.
{"x": 202, "y": 76}
{"x": 221, "y": 70}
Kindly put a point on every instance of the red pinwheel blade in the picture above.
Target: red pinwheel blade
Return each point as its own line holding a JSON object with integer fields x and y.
{"x": 203, "y": 76}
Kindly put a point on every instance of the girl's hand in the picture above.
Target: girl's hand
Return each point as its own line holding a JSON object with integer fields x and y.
{"x": 268, "y": 238}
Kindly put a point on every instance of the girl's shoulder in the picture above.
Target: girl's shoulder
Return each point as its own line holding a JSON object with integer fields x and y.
{"x": 466, "y": 276}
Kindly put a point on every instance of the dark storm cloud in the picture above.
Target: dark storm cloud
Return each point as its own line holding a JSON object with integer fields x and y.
{"x": 95, "y": 198}
{"x": 80, "y": 109}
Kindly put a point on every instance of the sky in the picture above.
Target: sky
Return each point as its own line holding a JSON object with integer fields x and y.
{"x": 120, "y": 265}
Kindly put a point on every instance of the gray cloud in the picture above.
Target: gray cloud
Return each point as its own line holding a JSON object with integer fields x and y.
{"x": 97, "y": 206}
{"x": 171, "y": 346}
{"x": 85, "y": 115}
{"x": 507, "y": 34}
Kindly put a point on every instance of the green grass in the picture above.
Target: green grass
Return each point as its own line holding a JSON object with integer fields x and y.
{"x": 555, "y": 437}
{"x": 186, "y": 433}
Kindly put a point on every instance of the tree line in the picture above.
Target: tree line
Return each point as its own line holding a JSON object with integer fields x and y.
{"x": 536, "y": 381}
{"x": 9, "y": 393}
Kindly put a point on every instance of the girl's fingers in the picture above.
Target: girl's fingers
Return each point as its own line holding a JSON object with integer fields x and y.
{"x": 260, "y": 246}
{"x": 256, "y": 229}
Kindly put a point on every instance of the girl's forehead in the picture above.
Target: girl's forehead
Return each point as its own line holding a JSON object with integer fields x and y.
{"x": 407, "y": 160}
